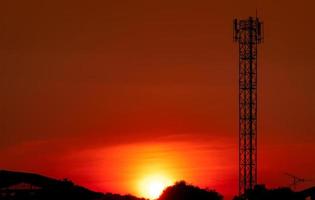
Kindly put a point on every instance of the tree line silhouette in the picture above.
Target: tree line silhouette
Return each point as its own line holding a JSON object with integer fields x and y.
{"x": 27, "y": 186}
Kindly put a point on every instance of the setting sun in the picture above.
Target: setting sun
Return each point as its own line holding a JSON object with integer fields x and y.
{"x": 152, "y": 186}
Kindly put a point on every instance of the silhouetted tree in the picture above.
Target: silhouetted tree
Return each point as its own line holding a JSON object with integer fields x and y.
{"x": 183, "y": 191}
{"x": 260, "y": 192}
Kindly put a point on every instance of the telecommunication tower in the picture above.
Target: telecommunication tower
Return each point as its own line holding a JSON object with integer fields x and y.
{"x": 248, "y": 34}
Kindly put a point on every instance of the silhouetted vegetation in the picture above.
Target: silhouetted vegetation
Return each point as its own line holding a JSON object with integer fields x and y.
{"x": 183, "y": 191}
{"x": 27, "y": 186}
{"x": 260, "y": 192}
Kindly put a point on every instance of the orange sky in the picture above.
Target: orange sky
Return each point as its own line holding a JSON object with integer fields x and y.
{"x": 97, "y": 91}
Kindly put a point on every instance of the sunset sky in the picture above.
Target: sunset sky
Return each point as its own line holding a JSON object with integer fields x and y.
{"x": 111, "y": 93}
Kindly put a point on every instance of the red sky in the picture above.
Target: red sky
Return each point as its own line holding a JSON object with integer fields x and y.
{"x": 105, "y": 92}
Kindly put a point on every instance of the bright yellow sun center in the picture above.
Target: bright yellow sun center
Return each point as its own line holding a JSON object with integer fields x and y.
{"x": 152, "y": 186}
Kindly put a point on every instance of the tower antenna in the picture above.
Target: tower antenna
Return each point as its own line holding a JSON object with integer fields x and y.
{"x": 248, "y": 34}
{"x": 296, "y": 180}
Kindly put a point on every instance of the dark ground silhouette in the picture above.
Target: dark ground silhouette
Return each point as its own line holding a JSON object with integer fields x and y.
{"x": 183, "y": 191}
{"x": 28, "y": 186}
{"x": 260, "y": 192}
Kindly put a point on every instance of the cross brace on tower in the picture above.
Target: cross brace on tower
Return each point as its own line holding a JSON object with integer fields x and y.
{"x": 248, "y": 34}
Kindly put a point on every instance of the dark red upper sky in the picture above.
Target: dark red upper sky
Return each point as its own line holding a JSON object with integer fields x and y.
{"x": 84, "y": 80}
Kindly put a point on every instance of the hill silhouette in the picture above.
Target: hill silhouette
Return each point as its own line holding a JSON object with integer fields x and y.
{"x": 183, "y": 191}
{"x": 29, "y": 186}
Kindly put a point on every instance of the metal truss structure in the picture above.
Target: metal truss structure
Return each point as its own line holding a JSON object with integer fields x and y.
{"x": 248, "y": 34}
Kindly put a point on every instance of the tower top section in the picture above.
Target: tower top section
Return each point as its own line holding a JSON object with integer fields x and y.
{"x": 246, "y": 26}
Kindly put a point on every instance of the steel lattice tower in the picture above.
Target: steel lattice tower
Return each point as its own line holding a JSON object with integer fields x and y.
{"x": 248, "y": 34}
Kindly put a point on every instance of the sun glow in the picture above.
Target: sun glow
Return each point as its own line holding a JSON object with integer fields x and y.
{"x": 152, "y": 186}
